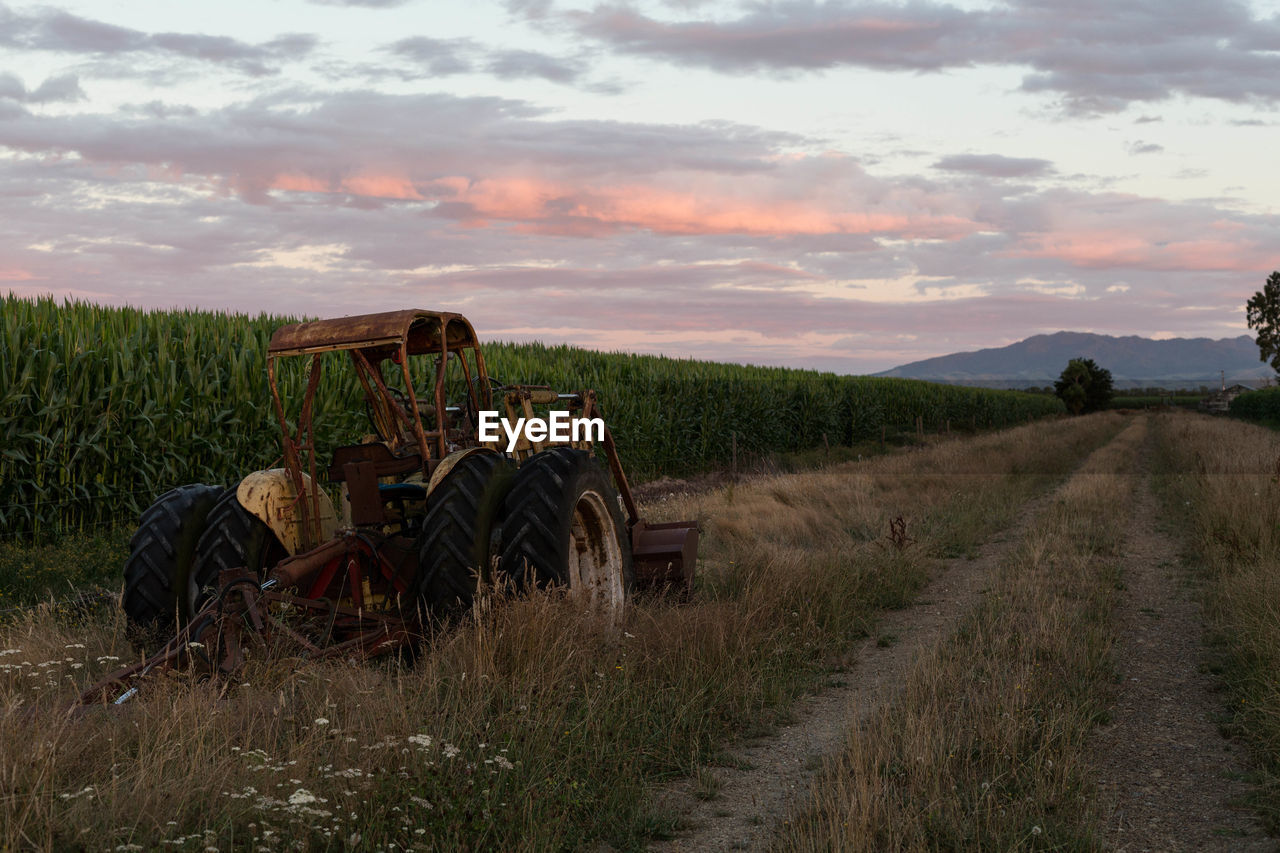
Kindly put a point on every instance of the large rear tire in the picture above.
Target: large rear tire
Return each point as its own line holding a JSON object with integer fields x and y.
{"x": 161, "y": 555}
{"x": 233, "y": 538}
{"x": 562, "y": 526}
{"x": 453, "y": 548}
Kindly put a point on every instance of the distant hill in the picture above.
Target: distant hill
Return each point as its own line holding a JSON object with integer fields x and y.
{"x": 1133, "y": 362}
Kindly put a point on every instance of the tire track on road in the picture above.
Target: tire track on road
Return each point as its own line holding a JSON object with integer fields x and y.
{"x": 770, "y": 774}
{"x": 1173, "y": 781}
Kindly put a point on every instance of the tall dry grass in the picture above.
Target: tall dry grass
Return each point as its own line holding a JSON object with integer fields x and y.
{"x": 532, "y": 727}
{"x": 985, "y": 750}
{"x": 1221, "y": 479}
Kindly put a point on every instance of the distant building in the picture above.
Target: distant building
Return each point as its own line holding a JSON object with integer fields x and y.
{"x": 1219, "y": 402}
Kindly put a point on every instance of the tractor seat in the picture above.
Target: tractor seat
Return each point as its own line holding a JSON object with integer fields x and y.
{"x": 360, "y": 466}
{"x": 403, "y": 491}
{"x": 384, "y": 462}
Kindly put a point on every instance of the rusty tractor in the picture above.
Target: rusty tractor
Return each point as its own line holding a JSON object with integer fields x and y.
{"x": 360, "y": 550}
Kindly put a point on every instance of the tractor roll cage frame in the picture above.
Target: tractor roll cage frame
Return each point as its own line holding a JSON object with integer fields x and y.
{"x": 371, "y": 339}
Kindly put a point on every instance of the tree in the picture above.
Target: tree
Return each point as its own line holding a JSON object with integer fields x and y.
{"x": 1263, "y": 313}
{"x": 1084, "y": 386}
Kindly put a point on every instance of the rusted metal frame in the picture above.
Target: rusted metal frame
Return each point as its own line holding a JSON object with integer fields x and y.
{"x": 365, "y": 330}
{"x": 418, "y": 433}
{"x": 225, "y": 621}
{"x": 306, "y": 644}
{"x": 374, "y": 637}
{"x": 482, "y": 373}
{"x": 98, "y": 691}
{"x": 292, "y": 463}
{"x": 589, "y": 408}
{"x": 620, "y": 477}
{"x": 389, "y": 401}
{"x": 354, "y": 578}
{"x": 441, "y": 445}
{"x": 305, "y": 424}
{"x": 294, "y": 570}
{"x": 326, "y": 577}
{"x": 466, "y": 378}
{"x": 171, "y": 652}
{"x": 328, "y": 606}
{"x": 381, "y": 414}
{"x": 526, "y": 403}
{"x": 293, "y": 446}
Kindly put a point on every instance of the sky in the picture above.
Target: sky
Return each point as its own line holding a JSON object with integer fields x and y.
{"x": 841, "y": 185}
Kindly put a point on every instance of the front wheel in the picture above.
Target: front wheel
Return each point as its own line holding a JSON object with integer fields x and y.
{"x": 453, "y": 548}
{"x": 562, "y": 526}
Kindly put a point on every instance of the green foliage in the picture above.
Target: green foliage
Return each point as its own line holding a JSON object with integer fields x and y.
{"x": 1263, "y": 314}
{"x": 1263, "y": 405}
{"x": 1084, "y": 386}
{"x": 102, "y": 409}
{"x": 61, "y": 569}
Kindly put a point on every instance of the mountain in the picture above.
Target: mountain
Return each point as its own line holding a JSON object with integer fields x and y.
{"x": 1133, "y": 362}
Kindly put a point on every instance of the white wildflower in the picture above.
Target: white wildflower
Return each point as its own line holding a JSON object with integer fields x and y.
{"x": 301, "y": 797}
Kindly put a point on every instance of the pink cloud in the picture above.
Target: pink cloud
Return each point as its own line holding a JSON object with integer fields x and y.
{"x": 1108, "y": 249}
{"x": 581, "y": 209}
{"x": 1118, "y": 231}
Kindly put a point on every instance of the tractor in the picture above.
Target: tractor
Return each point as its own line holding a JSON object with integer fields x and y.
{"x": 364, "y": 548}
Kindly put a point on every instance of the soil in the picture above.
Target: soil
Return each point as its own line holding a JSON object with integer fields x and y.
{"x": 765, "y": 776}
{"x": 1171, "y": 781}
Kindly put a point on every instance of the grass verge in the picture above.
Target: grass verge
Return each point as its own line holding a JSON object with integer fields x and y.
{"x": 1221, "y": 478}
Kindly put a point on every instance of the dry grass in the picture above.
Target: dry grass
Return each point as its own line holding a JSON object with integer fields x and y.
{"x": 530, "y": 728}
{"x": 1221, "y": 478}
{"x": 985, "y": 748}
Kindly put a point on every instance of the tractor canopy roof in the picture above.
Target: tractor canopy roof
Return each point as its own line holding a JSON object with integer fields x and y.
{"x": 381, "y": 334}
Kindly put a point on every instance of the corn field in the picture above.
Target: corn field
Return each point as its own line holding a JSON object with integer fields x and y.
{"x": 103, "y": 409}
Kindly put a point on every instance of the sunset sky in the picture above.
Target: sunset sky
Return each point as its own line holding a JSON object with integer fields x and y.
{"x": 841, "y": 185}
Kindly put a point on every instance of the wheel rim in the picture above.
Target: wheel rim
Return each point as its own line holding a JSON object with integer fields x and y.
{"x": 595, "y": 557}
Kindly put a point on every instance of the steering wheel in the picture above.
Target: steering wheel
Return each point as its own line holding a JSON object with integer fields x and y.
{"x": 401, "y": 401}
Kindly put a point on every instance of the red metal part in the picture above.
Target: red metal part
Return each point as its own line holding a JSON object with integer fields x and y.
{"x": 246, "y": 615}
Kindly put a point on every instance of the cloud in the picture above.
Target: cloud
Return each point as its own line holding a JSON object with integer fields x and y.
{"x": 1097, "y": 56}
{"x": 995, "y": 165}
{"x": 438, "y": 57}
{"x": 1141, "y": 147}
{"x": 48, "y": 29}
{"x": 717, "y": 240}
{"x": 432, "y": 57}
{"x": 62, "y": 88}
{"x": 516, "y": 64}
{"x": 362, "y": 4}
